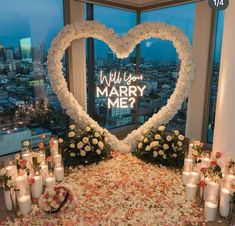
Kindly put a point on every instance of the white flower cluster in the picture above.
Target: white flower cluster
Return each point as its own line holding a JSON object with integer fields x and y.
{"x": 86, "y": 143}
{"x": 122, "y": 46}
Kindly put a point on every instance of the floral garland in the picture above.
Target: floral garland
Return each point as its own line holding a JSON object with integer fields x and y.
{"x": 122, "y": 46}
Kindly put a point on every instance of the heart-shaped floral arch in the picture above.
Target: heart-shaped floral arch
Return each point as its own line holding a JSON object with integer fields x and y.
{"x": 122, "y": 46}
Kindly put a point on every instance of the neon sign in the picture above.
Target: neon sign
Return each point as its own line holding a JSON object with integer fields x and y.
{"x": 119, "y": 89}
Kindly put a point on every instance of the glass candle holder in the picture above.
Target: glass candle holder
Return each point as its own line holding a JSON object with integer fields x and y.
{"x": 37, "y": 186}
{"x": 54, "y": 145}
{"x": 210, "y": 210}
{"x": 188, "y": 164}
{"x": 50, "y": 180}
{"x": 42, "y": 155}
{"x": 24, "y": 201}
{"x": 44, "y": 172}
{"x": 27, "y": 153}
{"x": 59, "y": 172}
{"x": 11, "y": 168}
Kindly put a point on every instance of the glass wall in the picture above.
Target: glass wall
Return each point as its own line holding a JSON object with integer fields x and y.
{"x": 215, "y": 75}
{"x": 159, "y": 63}
{"x": 106, "y": 62}
{"x": 28, "y": 107}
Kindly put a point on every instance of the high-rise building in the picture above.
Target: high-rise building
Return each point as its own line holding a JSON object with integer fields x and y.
{"x": 25, "y": 48}
{"x": 9, "y": 54}
{"x": 2, "y": 53}
{"x": 36, "y": 56}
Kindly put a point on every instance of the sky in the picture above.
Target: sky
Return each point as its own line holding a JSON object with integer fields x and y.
{"x": 42, "y": 20}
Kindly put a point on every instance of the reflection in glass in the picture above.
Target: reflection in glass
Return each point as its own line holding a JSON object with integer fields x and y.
{"x": 160, "y": 65}
{"x": 215, "y": 75}
{"x": 28, "y": 107}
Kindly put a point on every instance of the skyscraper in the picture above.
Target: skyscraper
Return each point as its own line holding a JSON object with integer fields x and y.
{"x": 25, "y": 48}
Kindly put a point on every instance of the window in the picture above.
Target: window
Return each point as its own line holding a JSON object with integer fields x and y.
{"x": 215, "y": 75}
{"x": 159, "y": 63}
{"x": 106, "y": 61}
{"x": 28, "y": 107}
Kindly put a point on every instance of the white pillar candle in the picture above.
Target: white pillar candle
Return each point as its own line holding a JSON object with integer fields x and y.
{"x": 194, "y": 177}
{"x": 36, "y": 188}
{"x": 11, "y": 171}
{"x": 212, "y": 191}
{"x": 24, "y": 203}
{"x": 44, "y": 173}
{"x": 57, "y": 159}
{"x": 205, "y": 162}
{"x": 28, "y": 156}
{"x": 7, "y": 199}
{"x": 185, "y": 177}
{"x": 188, "y": 164}
{"x": 59, "y": 173}
{"x": 210, "y": 211}
{"x": 225, "y": 199}
{"x": 21, "y": 182}
{"x": 50, "y": 181}
{"x": 191, "y": 191}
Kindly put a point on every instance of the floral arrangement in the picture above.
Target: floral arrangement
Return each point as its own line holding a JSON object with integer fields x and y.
{"x": 161, "y": 147}
{"x": 122, "y": 46}
{"x": 214, "y": 171}
{"x": 55, "y": 199}
{"x": 6, "y": 181}
{"x": 84, "y": 146}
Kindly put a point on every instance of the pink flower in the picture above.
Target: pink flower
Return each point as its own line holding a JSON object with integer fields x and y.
{"x": 31, "y": 181}
{"x": 218, "y": 155}
{"x": 213, "y": 163}
{"x": 51, "y": 142}
{"x": 202, "y": 183}
{"x": 204, "y": 170}
{"x": 41, "y": 145}
{"x": 42, "y": 136}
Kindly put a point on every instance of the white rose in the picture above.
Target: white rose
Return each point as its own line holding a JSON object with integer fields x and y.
{"x": 158, "y": 137}
{"x": 142, "y": 138}
{"x": 72, "y": 145}
{"x": 94, "y": 141}
{"x": 96, "y": 134}
{"x": 155, "y": 154}
{"x": 85, "y": 140}
{"x": 179, "y": 143}
{"x": 3, "y": 172}
{"x": 145, "y": 132}
{"x": 87, "y": 129}
{"x": 98, "y": 151}
{"x": 101, "y": 145}
{"x": 197, "y": 143}
{"x": 146, "y": 140}
{"x": 154, "y": 144}
{"x": 161, "y": 152}
{"x": 174, "y": 155}
{"x": 164, "y": 157}
{"x": 161, "y": 128}
{"x": 106, "y": 140}
{"x": 168, "y": 138}
{"x": 176, "y": 132}
{"x": 82, "y": 153}
{"x": 165, "y": 146}
{"x": 140, "y": 145}
{"x": 87, "y": 148}
{"x": 80, "y": 145}
{"x": 26, "y": 143}
{"x": 71, "y": 134}
{"x": 148, "y": 148}
{"x": 72, "y": 127}
{"x": 181, "y": 137}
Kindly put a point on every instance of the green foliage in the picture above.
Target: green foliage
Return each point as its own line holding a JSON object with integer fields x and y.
{"x": 161, "y": 147}
{"x": 84, "y": 147}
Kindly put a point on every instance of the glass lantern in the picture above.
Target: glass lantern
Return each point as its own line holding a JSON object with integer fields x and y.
{"x": 24, "y": 200}
{"x": 54, "y": 145}
{"x": 50, "y": 179}
{"x": 59, "y": 172}
{"x": 27, "y": 153}
{"x": 11, "y": 168}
